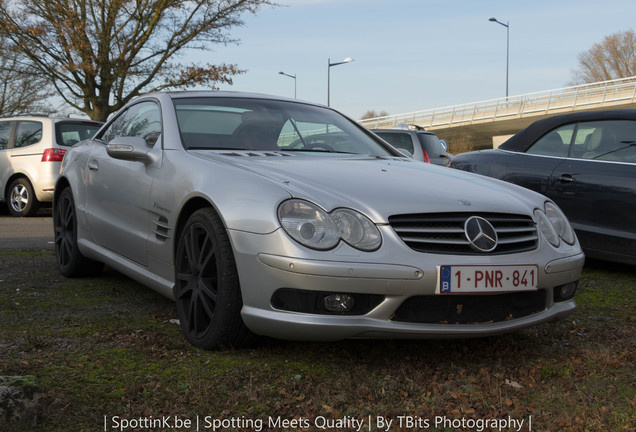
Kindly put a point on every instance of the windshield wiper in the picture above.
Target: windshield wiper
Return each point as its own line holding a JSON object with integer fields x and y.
{"x": 217, "y": 148}
{"x": 293, "y": 123}
{"x": 314, "y": 150}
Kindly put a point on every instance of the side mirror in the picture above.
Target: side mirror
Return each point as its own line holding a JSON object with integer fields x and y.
{"x": 130, "y": 149}
{"x": 443, "y": 143}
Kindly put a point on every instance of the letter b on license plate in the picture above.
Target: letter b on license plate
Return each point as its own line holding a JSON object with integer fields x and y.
{"x": 472, "y": 279}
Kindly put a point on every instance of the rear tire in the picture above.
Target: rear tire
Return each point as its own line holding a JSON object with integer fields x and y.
{"x": 70, "y": 260}
{"x": 207, "y": 287}
{"x": 21, "y": 198}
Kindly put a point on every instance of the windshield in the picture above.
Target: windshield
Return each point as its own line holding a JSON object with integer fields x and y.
{"x": 266, "y": 125}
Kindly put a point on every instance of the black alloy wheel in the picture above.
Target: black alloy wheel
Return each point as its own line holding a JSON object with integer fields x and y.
{"x": 207, "y": 288}
{"x": 70, "y": 261}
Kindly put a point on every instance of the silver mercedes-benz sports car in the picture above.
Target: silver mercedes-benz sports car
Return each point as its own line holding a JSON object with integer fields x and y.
{"x": 268, "y": 216}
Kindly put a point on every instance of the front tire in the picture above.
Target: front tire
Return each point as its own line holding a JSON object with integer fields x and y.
{"x": 207, "y": 289}
{"x": 21, "y": 198}
{"x": 70, "y": 260}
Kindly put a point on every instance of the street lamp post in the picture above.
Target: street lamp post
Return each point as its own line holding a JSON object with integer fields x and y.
{"x": 329, "y": 65}
{"x": 507, "y": 26}
{"x": 291, "y": 76}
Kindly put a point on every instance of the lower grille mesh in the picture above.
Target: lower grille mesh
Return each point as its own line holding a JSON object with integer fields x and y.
{"x": 470, "y": 309}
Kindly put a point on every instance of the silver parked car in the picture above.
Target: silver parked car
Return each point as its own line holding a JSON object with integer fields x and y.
{"x": 212, "y": 199}
{"x": 31, "y": 152}
{"x": 423, "y": 145}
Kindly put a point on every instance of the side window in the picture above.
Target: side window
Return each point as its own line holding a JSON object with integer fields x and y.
{"x": 115, "y": 129}
{"x": 5, "y": 133}
{"x": 610, "y": 140}
{"x": 555, "y": 143}
{"x": 431, "y": 144}
{"x": 398, "y": 140}
{"x": 28, "y": 133}
{"x": 141, "y": 120}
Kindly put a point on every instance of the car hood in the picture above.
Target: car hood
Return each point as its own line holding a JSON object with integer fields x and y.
{"x": 381, "y": 187}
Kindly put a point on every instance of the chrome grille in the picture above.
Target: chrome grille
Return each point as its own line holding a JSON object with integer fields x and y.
{"x": 443, "y": 233}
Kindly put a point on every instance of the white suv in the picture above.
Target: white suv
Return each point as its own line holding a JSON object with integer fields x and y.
{"x": 31, "y": 152}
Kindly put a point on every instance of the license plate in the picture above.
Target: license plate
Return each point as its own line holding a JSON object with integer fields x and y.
{"x": 484, "y": 279}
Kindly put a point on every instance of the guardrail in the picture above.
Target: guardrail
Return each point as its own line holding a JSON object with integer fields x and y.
{"x": 586, "y": 96}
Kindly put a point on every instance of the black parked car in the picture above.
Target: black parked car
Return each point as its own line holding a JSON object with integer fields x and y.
{"x": 586, "y": 163}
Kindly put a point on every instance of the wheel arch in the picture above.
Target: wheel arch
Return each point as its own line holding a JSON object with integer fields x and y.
{"x": 61, "y": 184}
{"x": 13, "y": 177}
{"x": 191, "y": 206}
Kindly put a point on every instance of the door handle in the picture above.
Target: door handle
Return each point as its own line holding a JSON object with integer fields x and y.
{"x": 93, "y": 165}
{"x": 566, "y": 178}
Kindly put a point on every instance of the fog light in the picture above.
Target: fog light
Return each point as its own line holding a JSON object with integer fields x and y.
{"x": 565, "y": 292}
{"x": 338, "y": 302}
{"x": 324, "y": 303}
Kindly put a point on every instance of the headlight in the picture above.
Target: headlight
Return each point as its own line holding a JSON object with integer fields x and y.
{"x": 546, "y": 227}
{"x": 554, "y": 225}
{"x": 313, "y": 227}
{"x": 356, "y": 229}
{"x": 559, "y": 222}
{"x": 308, "y": 224}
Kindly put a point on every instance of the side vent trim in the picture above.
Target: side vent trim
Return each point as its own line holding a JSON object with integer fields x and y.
{"x": 161, "y": 229}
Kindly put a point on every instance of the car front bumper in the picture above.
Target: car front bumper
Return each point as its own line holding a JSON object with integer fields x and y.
{"x": 396, "y": 277}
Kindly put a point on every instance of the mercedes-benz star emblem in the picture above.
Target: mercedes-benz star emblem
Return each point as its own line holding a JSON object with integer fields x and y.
{"x": 481, "y": 234}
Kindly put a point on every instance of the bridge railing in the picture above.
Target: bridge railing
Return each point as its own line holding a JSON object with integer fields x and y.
{"x": 606, "y": 93}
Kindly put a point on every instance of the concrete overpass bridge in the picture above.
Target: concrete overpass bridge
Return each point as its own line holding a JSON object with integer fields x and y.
{"x": 489, "y": 123}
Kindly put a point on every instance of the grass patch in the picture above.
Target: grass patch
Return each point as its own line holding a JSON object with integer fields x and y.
{"x": 105, "y": 347}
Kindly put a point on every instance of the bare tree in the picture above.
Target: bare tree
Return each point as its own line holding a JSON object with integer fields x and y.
{"x": 99, "y": 54}
{"x": 21, "y": 91}
{"x": 373, "y": 114}
{"x": 613, "y": 58}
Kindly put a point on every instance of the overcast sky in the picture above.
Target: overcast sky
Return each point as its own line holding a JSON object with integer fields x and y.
{"x": 413, "y": 55}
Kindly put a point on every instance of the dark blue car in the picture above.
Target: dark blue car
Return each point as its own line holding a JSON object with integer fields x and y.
{"x": 586, "y": 163}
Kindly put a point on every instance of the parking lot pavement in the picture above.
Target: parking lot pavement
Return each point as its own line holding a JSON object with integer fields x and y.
{"x": 35, "y": 233}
